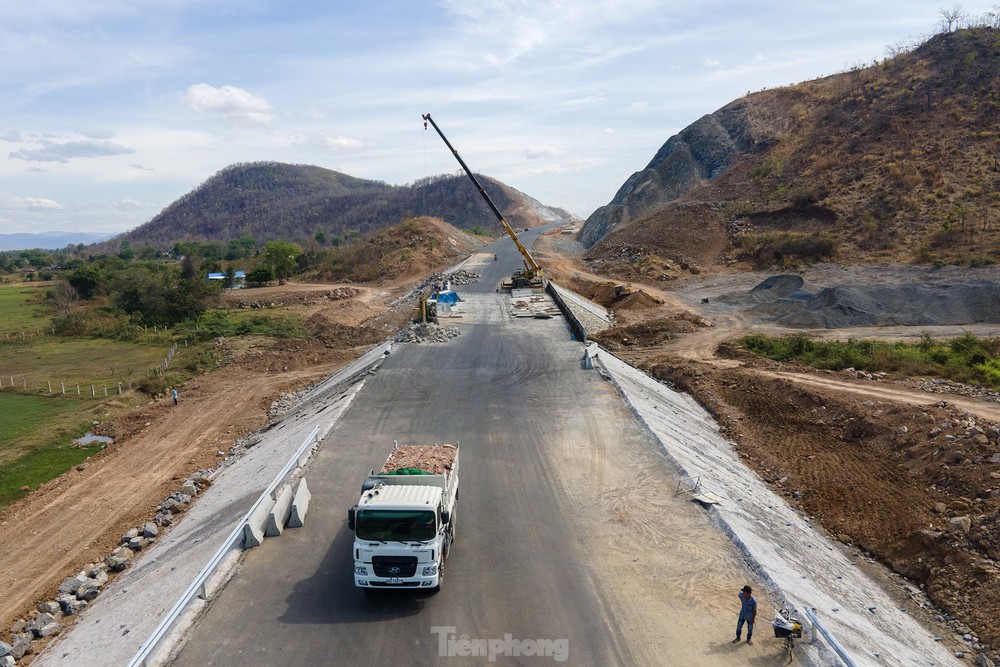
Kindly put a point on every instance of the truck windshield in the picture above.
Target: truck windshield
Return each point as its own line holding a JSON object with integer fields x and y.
{"x": 395, "y": 525}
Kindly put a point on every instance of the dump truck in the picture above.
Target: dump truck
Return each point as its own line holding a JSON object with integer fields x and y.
{"x": 404, "y": 522}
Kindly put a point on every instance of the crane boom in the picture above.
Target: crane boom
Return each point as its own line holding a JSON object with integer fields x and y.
{"x": 533, "y": 272}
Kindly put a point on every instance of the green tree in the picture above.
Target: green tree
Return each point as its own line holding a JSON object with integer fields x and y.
{"x": 260, "y": 276}
{"x": 85, "y": 281}
{"x": 281, "y": 257}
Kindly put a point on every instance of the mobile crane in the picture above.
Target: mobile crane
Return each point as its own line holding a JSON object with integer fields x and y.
{"x": 531, "y": 275}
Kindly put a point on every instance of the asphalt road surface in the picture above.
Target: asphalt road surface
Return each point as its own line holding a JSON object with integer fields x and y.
{"x": 505, "y": 389}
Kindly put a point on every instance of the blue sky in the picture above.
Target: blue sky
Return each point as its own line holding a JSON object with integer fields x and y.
{"x": 110, "y": 109}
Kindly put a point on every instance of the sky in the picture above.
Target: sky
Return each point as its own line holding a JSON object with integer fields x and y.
{"x": 112, "y": 109}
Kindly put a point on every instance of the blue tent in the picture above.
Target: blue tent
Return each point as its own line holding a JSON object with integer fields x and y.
{"x": 448, "y": 297}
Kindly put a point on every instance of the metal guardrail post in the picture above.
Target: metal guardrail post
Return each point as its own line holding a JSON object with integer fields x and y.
{"x": 197, "y": 587}
{"x": 830, "y": 639}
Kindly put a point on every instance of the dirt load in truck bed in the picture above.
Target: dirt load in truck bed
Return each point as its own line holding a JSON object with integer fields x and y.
{"x": 436, "y": 459}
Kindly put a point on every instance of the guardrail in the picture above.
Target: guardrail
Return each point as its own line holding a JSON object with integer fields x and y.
{"x": 197, "y": 587}
{"x": 830, "y": 639}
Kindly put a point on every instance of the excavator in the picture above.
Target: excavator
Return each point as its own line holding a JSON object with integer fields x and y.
{"x": 531, "y": 275}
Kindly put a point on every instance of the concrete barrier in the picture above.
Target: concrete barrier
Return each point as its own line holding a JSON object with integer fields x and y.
{"x": 574, "y": 324}
{"x": 300, "y": 505}
{"x": 278, "y": 515}
{"x": 256, "y": 523}
{"x": 589, "y": 355}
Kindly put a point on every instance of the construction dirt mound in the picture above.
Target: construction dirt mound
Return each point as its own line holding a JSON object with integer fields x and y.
{"x": 638, "y": 300}
{"x": 650, "y": 333}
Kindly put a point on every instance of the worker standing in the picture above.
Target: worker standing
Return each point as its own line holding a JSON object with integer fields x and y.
{"x": 748, "y": 614}
{"x": 174, "y": 394}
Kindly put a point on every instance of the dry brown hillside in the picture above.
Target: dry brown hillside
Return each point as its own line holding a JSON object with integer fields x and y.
{"x": 893, "y": 162}
{"x": 401, "y": 251}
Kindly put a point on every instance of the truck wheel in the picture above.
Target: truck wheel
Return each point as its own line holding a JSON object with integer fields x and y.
{"x": 437, "y": 589}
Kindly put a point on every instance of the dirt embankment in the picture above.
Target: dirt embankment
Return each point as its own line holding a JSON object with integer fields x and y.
{"x": 909, "y": 477}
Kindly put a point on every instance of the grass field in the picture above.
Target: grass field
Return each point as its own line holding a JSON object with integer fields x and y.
{"x": 22, "y": 311}
{"x": 36, "y": 441}
{"x": 34, "y": 362}
{"x": 37, "y": 428}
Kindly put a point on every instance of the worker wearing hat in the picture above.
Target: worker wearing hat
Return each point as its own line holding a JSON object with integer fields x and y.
{"x": 748, "y": 614}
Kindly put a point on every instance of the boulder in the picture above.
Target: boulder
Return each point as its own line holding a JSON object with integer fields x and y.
{"x": 137, "y": 543}
{"x": 71, "y": 585}
{"x": 130, "y": 534}
{"x": 4, "y": 649}
{"x": 20, "y": 645}
{"x": 119, "y": 559}
{"x": 960, "y": 524}
{"x": 50, "y": 629}
{"x": 150, "y": 529}
{"x": 7, "y": 661}
{"x": 18, "y": 626}
{"x": 89, "y": 591}
{"x": 74, "y": 606}
{"x": 40, "y": 620}
{"x": 189, "y": 488}
{"x": 49, "y": 607}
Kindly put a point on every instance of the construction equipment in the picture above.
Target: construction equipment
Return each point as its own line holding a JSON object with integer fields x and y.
{"x": 425, "y": 311}
{"x": 531, "y": 275}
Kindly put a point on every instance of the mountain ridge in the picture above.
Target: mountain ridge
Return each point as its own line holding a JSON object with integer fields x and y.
{"x": 278, "y": 201}
{"x": 892, "y": 162}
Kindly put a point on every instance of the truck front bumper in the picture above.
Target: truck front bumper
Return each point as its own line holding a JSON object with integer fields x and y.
{"x": 364, "y": 579}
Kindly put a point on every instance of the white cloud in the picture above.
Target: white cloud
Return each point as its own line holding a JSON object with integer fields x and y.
{"x": 26, "y": 203}
{"x": 536, "y": 152}
{"x": 235, "y": 106}
{"x": 50, "y": 151}
{"x": 338, "y": 143}
{"x": 127, "y": 205}
{"x": 565, "y": 167}
{"x": 712, "y": 62}
{"x": 638, "y": 105}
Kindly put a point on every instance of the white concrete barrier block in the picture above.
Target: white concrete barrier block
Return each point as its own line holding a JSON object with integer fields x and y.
{"x": 253, "y": 529}
{"x": 300, "y": 505}
{"x": 278, "y": 515}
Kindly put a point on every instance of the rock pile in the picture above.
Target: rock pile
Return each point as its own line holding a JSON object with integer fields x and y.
{"x": 78, "y": 591}
{"x": 286, "y": 402}
{"x": 426, "y": 333}
{"x": 460, "y": 277}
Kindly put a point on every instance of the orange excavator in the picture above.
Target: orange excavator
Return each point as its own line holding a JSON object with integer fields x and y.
{"x": 531, "y": 275}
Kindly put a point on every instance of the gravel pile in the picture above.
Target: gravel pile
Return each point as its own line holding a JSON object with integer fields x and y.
{"x": 788, "y": 300}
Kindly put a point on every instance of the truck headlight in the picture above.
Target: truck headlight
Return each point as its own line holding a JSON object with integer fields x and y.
{"x": 430, "y": 570}
{"x": 361, "y": 570}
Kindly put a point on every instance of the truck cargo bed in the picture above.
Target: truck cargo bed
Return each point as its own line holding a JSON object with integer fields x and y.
{"x": 434, "y": 459}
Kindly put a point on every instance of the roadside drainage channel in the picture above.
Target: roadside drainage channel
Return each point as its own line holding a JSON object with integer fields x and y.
{"x": 800, "y": 568}
{"x": 145, "y": 611}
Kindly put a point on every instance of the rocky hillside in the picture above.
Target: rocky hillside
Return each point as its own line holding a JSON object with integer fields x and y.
{"x": 270, "y": 200}
{"x": 894, "y": 162}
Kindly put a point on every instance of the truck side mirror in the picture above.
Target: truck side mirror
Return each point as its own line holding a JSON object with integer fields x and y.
{"x": 445, "y": 516}
{"x": 352, "y": 516}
